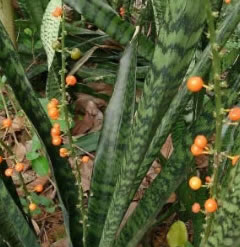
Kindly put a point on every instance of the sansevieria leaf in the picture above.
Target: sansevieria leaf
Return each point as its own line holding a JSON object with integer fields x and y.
{"x": 173, "y": 53}
{"x": 113, "y": 142}
{"x": 34, "y": 9}
{"x": 14, "y": 228}
{"x": 27, "y": 98}
{"x": 174, "y": 172}
{"x": 49, "y": 29}
{"x": 53, "y": 83}
{"x": 180, "y": 101}
{"x": 104, "y": 17}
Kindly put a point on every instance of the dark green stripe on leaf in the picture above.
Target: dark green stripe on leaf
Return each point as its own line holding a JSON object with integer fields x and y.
{"x": 113, "y": 141}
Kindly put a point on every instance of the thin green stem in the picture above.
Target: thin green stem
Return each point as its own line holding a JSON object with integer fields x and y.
{"x": 216, "y": 69}
{"x": 7, "y": 113}
{"x": 77, "y": 171}
{"x": 20, "y": 176}
{"x": 4, "y": 104}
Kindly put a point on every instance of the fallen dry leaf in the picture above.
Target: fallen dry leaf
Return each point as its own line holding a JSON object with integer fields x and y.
{"x": 18, "y": 124}
{"x": 61, "y": 243}
{"x": 36, "y": 227}
{"x": 36, "y": 181}
{"x": 86, "y": 173}
{"x": 83, "y": 100}
{"x": 20, "y": 151}
{"x": 83, "y": 126}
{"x": 101, "y": 87}
{"x": 130, "y": 210}
{"x": 167, "y": 147}
{"x": 97, "y": 122}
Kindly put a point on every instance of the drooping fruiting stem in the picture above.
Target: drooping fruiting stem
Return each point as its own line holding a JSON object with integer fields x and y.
{"x": 216, "y": 71}
{"x": 20, "y": 176}
{"x": 76, "y": 168}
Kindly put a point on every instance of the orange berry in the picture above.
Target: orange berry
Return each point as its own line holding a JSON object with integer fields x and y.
{"x": 63, "y": 152}
{"x": 38, "y": 188}
{"x": 53, "y": 113}
{"x": 196, "y": 150}
{"x": 85, "y": 159}
{"x": 6, "y": 123}
{"x": 122, "y": 11}
{"x": 210, "y": 205}
{"x": 195, "y": 183}
{"x": 195, "y": 84}
{"x": 235, "y": 159}
{"x": 51, "y": 105}
{"x": 32, "y": 206}
{"x": 57, "y": 12}
{"x": 1, "y": 159}
{"x": 19, "y": 167}
{"x": 55, "y": 132}
{"x": 71, "y": 80}
{"x": 201, "y": 141}
{"x": 9, "y": 172}
{"x": 227, "y": 1}
{"x": 234, "y": 114}
{"x": 57, "y": 140}
{"x": 56, "y": 126}
{"x": 208, "y": 179}
{"x": 55, "y": 101}
{"x": 196, "y": 208}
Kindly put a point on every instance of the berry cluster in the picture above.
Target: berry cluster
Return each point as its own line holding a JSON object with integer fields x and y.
{"x": 53, "y": 111}
{"x": 19, "y": 167}
{"x": 200, "y": 143}
{"x": 56, "y": 134}
{"x": 195, "y": 84}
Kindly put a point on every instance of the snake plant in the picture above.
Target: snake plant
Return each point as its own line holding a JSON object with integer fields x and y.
{"x": 133, "y": 132}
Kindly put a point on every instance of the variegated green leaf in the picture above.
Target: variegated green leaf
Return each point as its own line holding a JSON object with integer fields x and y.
{"x": 33, "y": 9}
{"x": 49, "y": 29}
{"x": 106, "y": 18}
{"x": 113, "y": 142}
{"x": 154, "y": 199}
{"x": 171, "y": 58}
{"x": 14, "y": 228}
{"x": 30, "y": 104}
{"x": 53, "y": 83}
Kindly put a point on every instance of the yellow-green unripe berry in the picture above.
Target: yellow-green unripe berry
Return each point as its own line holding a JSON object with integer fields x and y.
{"x": 76, "y": 53}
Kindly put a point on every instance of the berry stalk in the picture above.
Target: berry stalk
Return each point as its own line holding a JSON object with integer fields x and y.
{"x": 76, "y": 168}
{"x": 216, "y": 71}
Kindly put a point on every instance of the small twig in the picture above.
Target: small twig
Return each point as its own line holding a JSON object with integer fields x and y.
{"x": 84, "y": 151}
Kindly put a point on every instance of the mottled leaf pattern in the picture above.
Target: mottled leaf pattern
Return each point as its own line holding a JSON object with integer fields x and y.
{"x": 104, "y": 17}
{"x": 113, "y": 141}
{"x": 53, "y": 83}
{"x": 33, "y": 9}
{"x": 14, "y": 228}
{"x": 17, "y": 80}
{"x": 49, "y": 29}
{"x": 171, "y": 58}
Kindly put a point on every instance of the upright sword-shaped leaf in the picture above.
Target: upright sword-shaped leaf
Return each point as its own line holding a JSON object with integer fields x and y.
{"x": 113, "y": 142}
{"x": 173, "y": 53}
{"x": 66, "y": 188}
